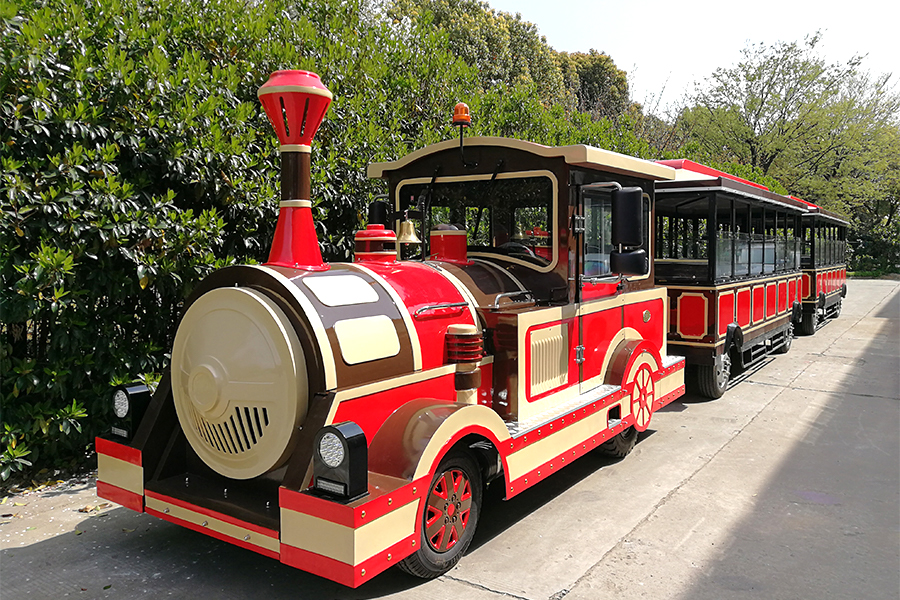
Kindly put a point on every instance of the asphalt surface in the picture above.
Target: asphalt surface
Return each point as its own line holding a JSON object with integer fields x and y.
{"x": 788, "y": 487}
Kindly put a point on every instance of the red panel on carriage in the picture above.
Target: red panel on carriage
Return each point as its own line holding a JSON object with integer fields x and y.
{"x": 743, "y": 307}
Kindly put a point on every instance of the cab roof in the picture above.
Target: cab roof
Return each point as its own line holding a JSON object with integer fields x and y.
{"x": 578, "y": 155}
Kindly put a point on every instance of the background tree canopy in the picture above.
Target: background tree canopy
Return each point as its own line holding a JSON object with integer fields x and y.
{"x": 136, "y": 158}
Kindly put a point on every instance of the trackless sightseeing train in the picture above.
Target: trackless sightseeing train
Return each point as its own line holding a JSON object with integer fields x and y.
{"x": 504, "y": 314}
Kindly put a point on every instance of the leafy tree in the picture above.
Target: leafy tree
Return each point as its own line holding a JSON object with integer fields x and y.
{"x": 503, "y": 48}
{"x": 601, "y": 88}
{"x": 136, "y": 159}
{"x": 826, "y": 132}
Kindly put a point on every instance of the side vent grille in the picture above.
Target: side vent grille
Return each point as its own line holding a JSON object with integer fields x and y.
{"x": 235, "y": 432}
{"x": 549, "y": 359}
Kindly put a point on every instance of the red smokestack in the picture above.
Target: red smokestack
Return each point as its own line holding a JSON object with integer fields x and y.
{"x": 296, "y": 103}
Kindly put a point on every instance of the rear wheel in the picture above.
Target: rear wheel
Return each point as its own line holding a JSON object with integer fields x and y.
{"x": 449, "y": 519}
{"x": 712, "y": 380}
{"x": 808, "y": 323}
{"x": 620, "y": 445}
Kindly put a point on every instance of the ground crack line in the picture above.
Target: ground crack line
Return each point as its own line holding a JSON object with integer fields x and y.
{"x": 484, "y": 587}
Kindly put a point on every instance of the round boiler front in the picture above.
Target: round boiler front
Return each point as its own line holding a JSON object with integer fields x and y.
{"x": 239, "y": 382}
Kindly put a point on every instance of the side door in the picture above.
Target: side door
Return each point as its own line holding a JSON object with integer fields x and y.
{"x": 599, "y": 311}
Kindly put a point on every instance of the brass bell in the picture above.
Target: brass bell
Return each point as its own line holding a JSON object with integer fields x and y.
{"x": 407, "y": 233}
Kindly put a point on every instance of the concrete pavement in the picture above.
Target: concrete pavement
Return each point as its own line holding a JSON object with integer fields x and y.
{"x": 787, "y": 487}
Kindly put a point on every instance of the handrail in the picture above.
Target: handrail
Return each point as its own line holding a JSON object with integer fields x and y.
{"x": 439, "y": 306}
{"x": 496, "y": 303}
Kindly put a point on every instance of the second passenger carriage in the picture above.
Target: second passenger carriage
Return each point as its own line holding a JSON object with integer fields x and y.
{"x": 728, "y": 251}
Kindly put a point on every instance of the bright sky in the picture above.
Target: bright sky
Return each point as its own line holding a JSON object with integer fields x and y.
{"x": 666, "y": 45}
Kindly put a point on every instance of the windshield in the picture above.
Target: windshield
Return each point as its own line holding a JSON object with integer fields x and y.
{"x": 505, "y": 217}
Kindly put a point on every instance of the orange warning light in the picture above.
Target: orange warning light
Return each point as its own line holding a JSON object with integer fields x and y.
{"x": 461, "y": 116}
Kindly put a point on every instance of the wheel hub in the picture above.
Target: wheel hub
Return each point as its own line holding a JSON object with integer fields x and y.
{"x": 448, "y": 510}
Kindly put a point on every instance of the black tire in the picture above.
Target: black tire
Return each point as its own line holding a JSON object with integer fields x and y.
{"x": 620, "y": 445}
{"x": 712, "y": 380}
{"x": 788, "y": 338}
{"x": 436, "y": 554}
{"x": 808, "y": 323}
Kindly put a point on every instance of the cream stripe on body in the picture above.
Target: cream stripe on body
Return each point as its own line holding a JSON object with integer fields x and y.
{"x": 345, "y": 544}
{"x": 314, "y": 321}
{"x": 213, "y": 524}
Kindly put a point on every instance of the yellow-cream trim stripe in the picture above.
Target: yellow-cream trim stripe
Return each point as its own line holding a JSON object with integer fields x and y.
{"x": 120, "y": 473}
{"x": 345, "y": 544}
{"x": 314, "y": 321}
{"x": 295, "y": 204}
{"x": 404, "y": 314}
{"x": 286, "y": 89}
{"x": 213, "y": 524}
{"x": 591, "y": 306}
{"x": 397, "y": 382}
{"x": 532, "y": 456}
{"x": 302, "y": 148}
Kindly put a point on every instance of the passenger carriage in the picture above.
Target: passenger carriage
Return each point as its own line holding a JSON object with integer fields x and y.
{"x": 824, "y": 264}
{"x": 343, "y": 418}
{"x": 728, "y": 252}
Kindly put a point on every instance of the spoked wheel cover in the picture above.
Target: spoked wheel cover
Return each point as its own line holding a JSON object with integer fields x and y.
{"x": 642, "y": 396}
{"x": 448, "y": 509}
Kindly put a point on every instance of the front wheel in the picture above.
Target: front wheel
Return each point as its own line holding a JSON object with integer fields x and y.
{"x": 449, "y": 518}
{"x": 712, "y": 380}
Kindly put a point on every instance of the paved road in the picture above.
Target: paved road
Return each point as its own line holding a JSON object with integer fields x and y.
{"x": 786, "y": 488}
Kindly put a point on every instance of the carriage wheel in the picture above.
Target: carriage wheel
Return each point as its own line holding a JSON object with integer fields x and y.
{"x": 788, "y": 338}
{"x": 808, "y": 323}
{"x": 449, "y": 518}
{"x": 712, "y": 380}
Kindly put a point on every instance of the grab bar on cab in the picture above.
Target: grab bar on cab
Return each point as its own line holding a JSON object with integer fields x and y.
{"x": 510, "y": 295}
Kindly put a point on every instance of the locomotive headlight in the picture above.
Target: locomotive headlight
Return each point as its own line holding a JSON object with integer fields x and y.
{"x": 120, "y": 404}
{"x": 340, "y": 462}
{"x": 129, "y": 404}
{"x": 331, "y": 450}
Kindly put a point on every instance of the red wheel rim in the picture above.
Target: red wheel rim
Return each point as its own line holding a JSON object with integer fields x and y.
{"x": 642, "y": 396}
{"x": 448, "y": 509}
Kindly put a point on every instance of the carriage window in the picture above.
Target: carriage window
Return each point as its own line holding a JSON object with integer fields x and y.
{"x": 506, "y": 217}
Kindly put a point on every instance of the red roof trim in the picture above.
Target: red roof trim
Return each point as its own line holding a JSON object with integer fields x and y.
{"x": 684, "y": 163}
